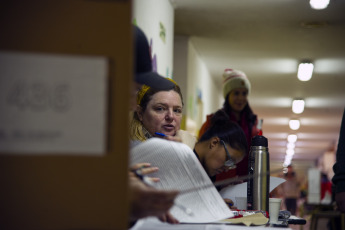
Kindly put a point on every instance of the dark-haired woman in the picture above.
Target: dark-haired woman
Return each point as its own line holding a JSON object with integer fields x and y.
{"x": 222, "y": 146}
{"x": 236, "y": 88}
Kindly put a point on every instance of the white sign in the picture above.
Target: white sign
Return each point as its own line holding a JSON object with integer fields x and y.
{"x": 314, "y": 186}
{"x": 52, "y": 104}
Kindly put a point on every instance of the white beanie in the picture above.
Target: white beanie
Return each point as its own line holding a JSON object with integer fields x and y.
{"x": 234, "y": 79}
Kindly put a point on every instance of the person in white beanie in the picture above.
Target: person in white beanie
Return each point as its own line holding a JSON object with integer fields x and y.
{"x": 236, "y": 88}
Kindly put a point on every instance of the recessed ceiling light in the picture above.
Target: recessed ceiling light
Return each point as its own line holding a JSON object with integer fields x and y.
{"x": 294, "y": 124}
{"x": 290, "y": 145}
{"x": 292, "y": 138}
{"x": 298, "y": 106}
{"x": 319, "y": 4}
{"x": 305, "y": 71}
{"x": 290, "y": 152}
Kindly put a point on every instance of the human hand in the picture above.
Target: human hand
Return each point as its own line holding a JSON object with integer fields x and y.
{"x": 145, "y": 169}
{"x": 174, "y": 138}
{"x": 168, "y": 137}
{"x": 147, "y": 201}
{"x": 167, "y": 217}
{"x": 340, "y": 200}
{"x": 230, "y": 203}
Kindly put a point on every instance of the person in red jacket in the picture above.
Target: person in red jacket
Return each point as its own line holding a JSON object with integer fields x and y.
{"x": 236, "y": 88}
{"x": 326, "y": 186}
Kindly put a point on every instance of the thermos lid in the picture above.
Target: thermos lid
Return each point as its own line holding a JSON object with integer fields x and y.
{"x": 259, "y": 141}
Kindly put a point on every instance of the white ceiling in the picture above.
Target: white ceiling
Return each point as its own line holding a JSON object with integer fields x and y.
{"x": 266, "y": 39}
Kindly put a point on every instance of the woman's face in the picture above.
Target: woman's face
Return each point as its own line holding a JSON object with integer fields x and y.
{"x": 216, "y": 157}
{"x": 237, "y": 99}
{"x": 163, "y": 113}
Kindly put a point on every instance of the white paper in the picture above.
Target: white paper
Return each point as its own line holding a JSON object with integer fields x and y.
{"x": 240, "y": 190}
{"x": 154, "y": 224}
{"x": 179, "y": 169}
{"x": 52, "y": 104}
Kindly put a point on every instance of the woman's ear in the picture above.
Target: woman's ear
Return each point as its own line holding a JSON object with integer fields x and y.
{"x": 214, "y": 142}
{"x": 139, "y": 112}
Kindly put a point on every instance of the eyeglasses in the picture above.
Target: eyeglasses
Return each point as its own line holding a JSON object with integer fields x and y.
{"x": 230, "y": 163}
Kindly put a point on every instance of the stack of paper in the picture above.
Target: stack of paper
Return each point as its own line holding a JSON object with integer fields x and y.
{"x": 180, "y": 169}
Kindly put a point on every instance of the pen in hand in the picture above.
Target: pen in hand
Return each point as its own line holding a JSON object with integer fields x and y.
{"x": 160, "y": 134}
{"x": 146, "y": 180}
{"x": 175, "y": 138}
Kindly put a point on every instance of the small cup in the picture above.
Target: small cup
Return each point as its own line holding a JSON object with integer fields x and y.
{"x": 241, "y": 203}
{"x": 274, "y": 208}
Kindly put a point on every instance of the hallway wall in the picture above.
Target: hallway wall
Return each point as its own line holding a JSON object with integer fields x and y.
{"x": 201, "y": 95}
{"x": 156, "y": 19}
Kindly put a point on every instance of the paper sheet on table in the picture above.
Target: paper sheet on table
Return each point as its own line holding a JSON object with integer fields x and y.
{"x": 154, "y": 224}
{"x": 240, "y": 190}
{"x": 180, "y": 169}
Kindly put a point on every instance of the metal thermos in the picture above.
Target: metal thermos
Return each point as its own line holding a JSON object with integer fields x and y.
{"x": 259, "y": 181}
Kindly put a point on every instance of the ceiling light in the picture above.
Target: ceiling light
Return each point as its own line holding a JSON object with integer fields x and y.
{"x": 294, "y": 124}
{"x": 319, "y": 4}
{"x": 285, "y": 165}
{"x": 290, "y": 145}
{"x": 305, "y": 71}
{"x": 292, "y": 138}
{"x": 298, "y": 106}
{"x": 290, "y": 153}
{"x": 287, "y": 161}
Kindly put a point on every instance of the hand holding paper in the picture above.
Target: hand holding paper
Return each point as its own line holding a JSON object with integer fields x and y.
{"x": 179, "y": 169}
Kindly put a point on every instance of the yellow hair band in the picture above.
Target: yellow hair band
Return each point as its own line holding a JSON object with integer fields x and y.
{"x": 141, "y": 93}
{"x": 145, "y": 88}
